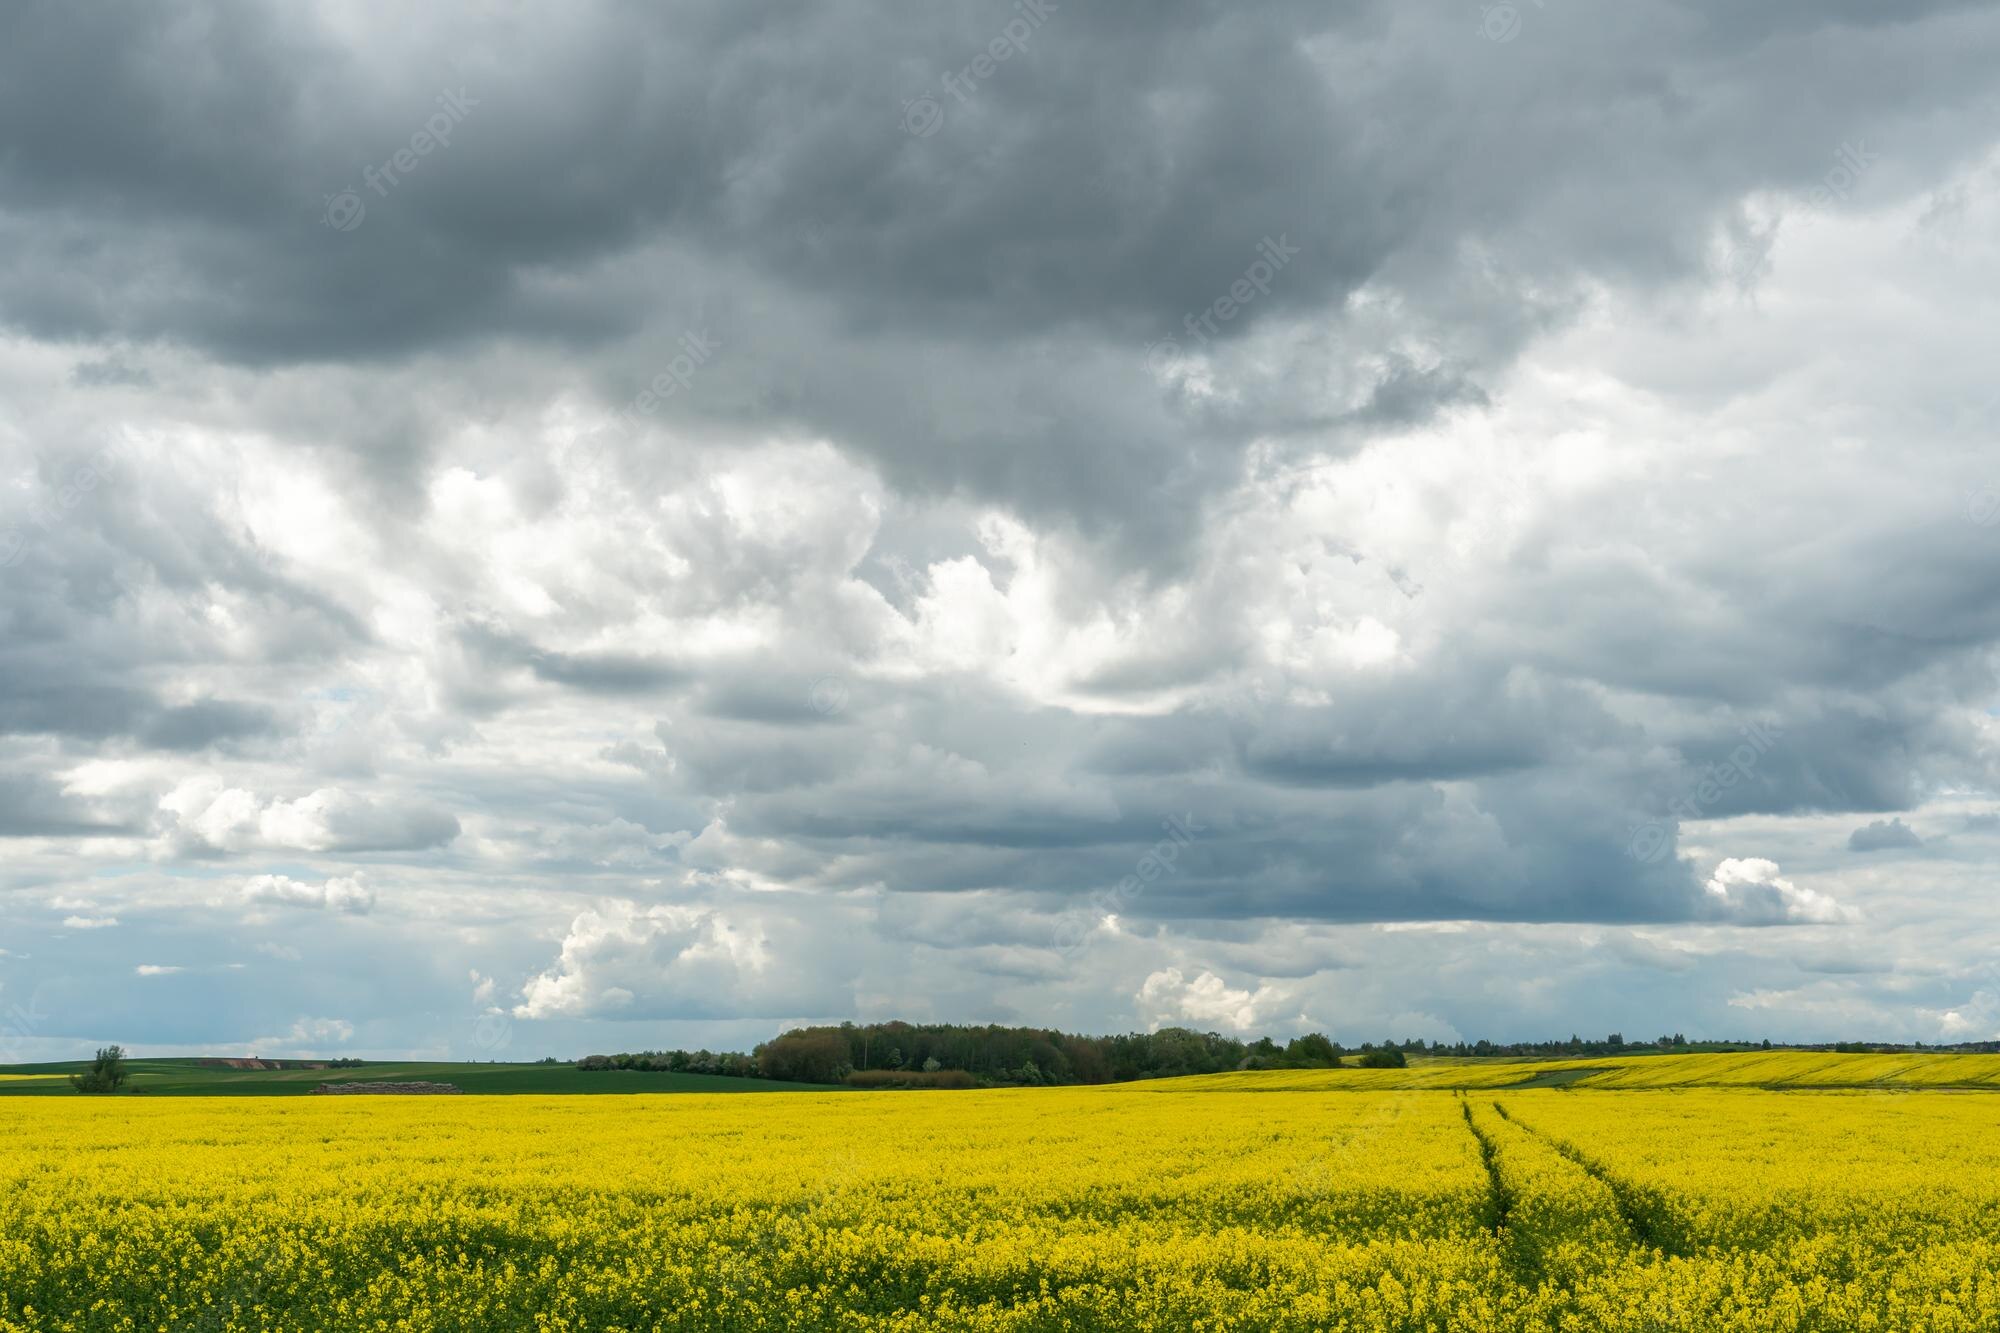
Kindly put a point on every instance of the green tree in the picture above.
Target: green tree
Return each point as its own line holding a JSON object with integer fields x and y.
{"x": 1384, "y": 1057}
{"x": 801, "y": 1056}
{"x": 105, "y": 1073}
{"x": 1312, "y": 1051}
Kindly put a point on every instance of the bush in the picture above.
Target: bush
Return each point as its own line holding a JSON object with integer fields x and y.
{"x": 1383, "y": 1057}
{"x": 105, "y": 1073}
{"x": 910, "y": 1078}
{"x": 1314, "y": 1050}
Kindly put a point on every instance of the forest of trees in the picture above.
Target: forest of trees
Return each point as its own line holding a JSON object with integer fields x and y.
{"x": 960, "y": 1055}
{"x": 1020, "y": 1056}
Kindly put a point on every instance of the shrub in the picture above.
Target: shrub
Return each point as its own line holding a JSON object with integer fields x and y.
{"x": 910, "y": 1078}
{"x": 1314, "y": 1050}
{"x": 105, "y": 1073}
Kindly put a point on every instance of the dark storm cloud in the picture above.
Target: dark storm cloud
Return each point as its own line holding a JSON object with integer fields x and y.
{"x": 704, "y": 111}
{"x": 979, "y": 298}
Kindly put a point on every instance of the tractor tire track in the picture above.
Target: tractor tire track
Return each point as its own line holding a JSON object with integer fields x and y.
{"x": 1624, "y": 1195}
{"x": 1498, "y": 1192}
{"x": 1519, "y": 1254}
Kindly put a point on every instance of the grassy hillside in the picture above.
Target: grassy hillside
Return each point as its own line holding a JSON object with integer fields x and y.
{"x": 1744, "y": 1069}
{"x": 1802, "y": 1069}
{"x": 189, "y": 1078}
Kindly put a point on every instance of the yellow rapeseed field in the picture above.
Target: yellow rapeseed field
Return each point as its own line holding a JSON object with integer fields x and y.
{"x": 1168, "y": 1206}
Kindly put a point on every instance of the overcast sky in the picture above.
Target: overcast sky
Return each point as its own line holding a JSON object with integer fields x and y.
{"x": 537, "y": 529}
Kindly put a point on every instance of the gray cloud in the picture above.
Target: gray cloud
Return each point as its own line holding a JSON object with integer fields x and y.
{"x": 1587, "y": 523}
{"x": 1882, "y": 835}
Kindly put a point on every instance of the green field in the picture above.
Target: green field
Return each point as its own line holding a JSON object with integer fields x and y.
{"x": 190, "y": 1078}
{"x": 1776, "y": 1070}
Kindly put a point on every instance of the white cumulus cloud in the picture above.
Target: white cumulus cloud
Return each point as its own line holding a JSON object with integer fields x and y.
{"x": 1751, "y": 891}
{"x": 1169, "y": 997}
{"x": 339, "y": 894}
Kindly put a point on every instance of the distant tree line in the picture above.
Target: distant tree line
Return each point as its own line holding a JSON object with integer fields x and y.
{"x": 677, "y": 1062}
{"x": 938, "y": 1055}
{"x": 1614, "y": 1044}
{"x": 898, "y": 1054}
{"x": 955, "y": 1055}
{"x": 1016, "y": 1056}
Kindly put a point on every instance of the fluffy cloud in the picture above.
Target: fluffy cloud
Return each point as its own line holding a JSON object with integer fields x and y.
{"x": 1206, "y": 1001}
{"x": 663, "y": 961}
{"x": 202, "y": 816}
{"x": 1750, "y": 890}
{"x": 348, "y": 894}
